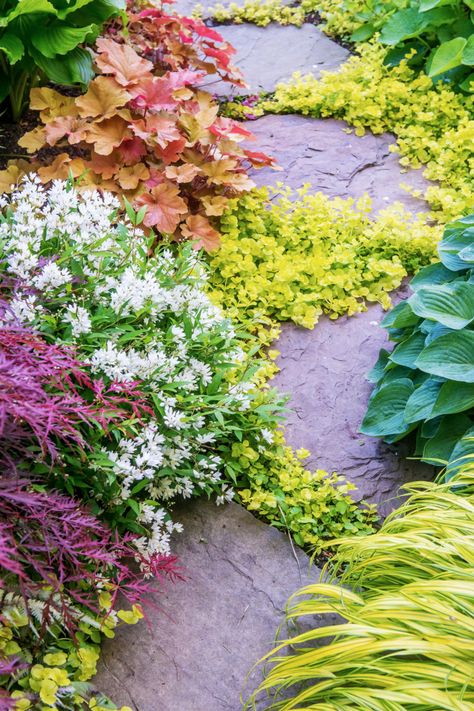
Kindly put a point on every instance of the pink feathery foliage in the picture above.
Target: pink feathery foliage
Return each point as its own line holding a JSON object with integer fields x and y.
{"x": 50, "y": 545}
{"x": 54, "y": 541}
{"x": 47, "y": 397}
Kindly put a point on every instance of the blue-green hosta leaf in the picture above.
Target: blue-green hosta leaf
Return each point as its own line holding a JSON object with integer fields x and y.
{"x": 12, "y": 46}
{"x": 385, "y": 413}
{"x": 408, "y": 351}
{"x": 59, "y": 39}
{"x": 447, "y": 56}
{"x": 455, "y": 239}
{"x": 454, "y": 397}
{"x": 450, "y": 304}
{"x": 400, "y": 316}
{"x": 420, "y": 403}
{"x": 461, "y": 454}
{"x": 432, "y": 274}
{"x": 402, "y": 25}
{"x": 467, "y": 254}
{"x": 450, "y": 356}
{"x": 377, "y": 372}
{"x": 437, "y": 331}
{"x": 395, "y": 372}
{"x": 438, "y": 450}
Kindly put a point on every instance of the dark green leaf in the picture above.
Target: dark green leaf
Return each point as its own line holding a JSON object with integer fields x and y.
{"x": 420, "y": 403}
{"x": 450, "y": 304}
{"x": 408, "y": 351}
{"x": 431, "y": 275}
{"x": 385, "y": 414}
{"x": 450, "y": 356}
{"x": 438, "y": 450}
{"x": 454, "y": 397}
{"x": 59, "y": 39}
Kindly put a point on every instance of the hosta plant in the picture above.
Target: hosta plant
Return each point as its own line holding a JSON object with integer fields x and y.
{"x": 145, "y": 131}
{"x": 402, "y": 638}
{"x": 426, "y": 383}
{"x": 41, "y": 41}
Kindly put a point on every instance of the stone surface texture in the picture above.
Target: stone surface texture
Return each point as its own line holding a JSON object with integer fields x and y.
{"x": 269, "y": 55}
{"x": 324, "y": 371}
{"x": 206, "y": 632}
{"x": 321, "y": 152}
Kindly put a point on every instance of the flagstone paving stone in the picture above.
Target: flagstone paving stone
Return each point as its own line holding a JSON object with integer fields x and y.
{"x": 208, "y": 631}
{"x": 324, "y": 371}
{"x": 269, "y": 55}
{"x": 321, "y": 152}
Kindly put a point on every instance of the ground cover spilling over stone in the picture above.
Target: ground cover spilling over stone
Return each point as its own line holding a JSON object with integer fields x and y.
{"x": 196, "y": 655}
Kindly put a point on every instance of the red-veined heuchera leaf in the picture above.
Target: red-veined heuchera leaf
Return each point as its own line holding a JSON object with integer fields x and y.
{"x": 122, "y": 61}
{"x": 164, "y": 207}
{"x": 199, "y": 229}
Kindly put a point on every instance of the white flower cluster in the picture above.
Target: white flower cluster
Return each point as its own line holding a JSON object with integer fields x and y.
{"x": 133, "y": 319}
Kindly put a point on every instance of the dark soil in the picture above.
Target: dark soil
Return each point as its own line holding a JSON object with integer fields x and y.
{"x": 10, "y": 133}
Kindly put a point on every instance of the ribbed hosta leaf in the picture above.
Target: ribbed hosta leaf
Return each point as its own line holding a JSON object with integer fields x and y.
{"x": 454, "y": 397}
{"x": 385, "y": 414}
{"x": 400, "y": 316}
{"x": 450, "y": 356}
{"x": 438, "y": 450}
{"x": 59, "y": 39}
{"x": 408, "y": 351}
{"x": 456, "y": 240}
{"x": 450, "y": 304}
{"x": 430, "y": 275}
{"x": 420, "y": 403}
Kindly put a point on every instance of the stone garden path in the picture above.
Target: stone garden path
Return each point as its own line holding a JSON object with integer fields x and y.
{"x": 200, "y": 642}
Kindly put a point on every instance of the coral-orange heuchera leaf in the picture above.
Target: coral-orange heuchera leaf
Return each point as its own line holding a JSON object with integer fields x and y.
{"x": 122, "y": 61}
{"x": 164, "y": 207}
{"x": 129, "y": 178}
{"x": 33, "y": 140}
{"x": 199, "y": 229}
{"x": 182, "y": 173}
{"x": 68, "y": 126}
{"x": 103, "y": 97}
{"x": 108, "y": 134}
{"x": 161, "y": 129}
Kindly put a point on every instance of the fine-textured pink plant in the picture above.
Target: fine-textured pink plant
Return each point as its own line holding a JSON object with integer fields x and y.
{"x": 42, "y": 398}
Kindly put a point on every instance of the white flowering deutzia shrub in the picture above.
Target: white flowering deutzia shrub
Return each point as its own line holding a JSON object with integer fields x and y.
{"x": 81, "y": 275}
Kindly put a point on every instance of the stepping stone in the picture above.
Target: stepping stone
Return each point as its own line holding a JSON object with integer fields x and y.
{"x": 269, "y": 55}
{"x": 206, "y": 633}
{"x": 324, "y": 371}
{"x": 321, "y": 152}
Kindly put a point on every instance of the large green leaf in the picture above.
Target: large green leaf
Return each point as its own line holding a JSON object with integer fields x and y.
{"x": 450, "y": 304}
{"x": 450, "y": 356}
{"x": 447, "y": 56}
{"x": 400, "y": 316}
{"x": 59, "y": 38}
{"x": 73, "y": 68}
{"x": 408, "y": 351}
{"x": 420, "y": 403}
{"x": 462, "y": 453}
{"x": 12, "y": 46}
{"x": 438, "y": 450}
{"x": 402, "y": 25}
{"x": 468, "y": 52}
{"x": 453, "y": 242}
{"x": 376, "y": 373}
{"x": 454, "y": 397}
{"x": 28, "y": 7}
{"x": 385, "y": 414}
{"x": 437, "y": 331}
{"x": 432, "y": 274}
{"x": 97, "y": 12}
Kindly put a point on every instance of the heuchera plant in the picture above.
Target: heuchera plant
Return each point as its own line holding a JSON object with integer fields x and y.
{"x": 144, "y": 131}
